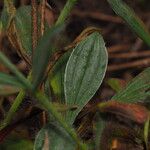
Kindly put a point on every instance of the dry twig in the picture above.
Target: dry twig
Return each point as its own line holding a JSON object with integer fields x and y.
{"x": 132, "y": 64}
{"x": 98, "y": 16}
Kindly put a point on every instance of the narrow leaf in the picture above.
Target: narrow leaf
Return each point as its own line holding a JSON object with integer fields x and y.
{"x": 42, "y": 54}
{"x": 6, "y": 79}
{"x": 84, "y": 72}
{"x": 53, "y": 137}
{"x": 9, "y": 85}
{"x": 136, "y": 24}
{"x": 136, "y": 90}
{"x": 25, "y": 83}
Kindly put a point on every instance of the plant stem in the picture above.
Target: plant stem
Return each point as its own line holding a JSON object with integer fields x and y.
{"x": 18, "y": 100}
{"x": 44, "y": 101}
{"x": 65, "y": 12}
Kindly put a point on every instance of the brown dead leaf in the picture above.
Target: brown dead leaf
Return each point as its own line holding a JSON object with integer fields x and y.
{"x": 134, "y": 112}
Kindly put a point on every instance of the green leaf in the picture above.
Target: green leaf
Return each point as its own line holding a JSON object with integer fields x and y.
{"x": 42, "y": 55}
{"x": 98, "y": 130}
{"x": 16, "y": 143}
{"x": 23, "y": 81}
{"x": 23, "y": 24}
{"x": 6, "y": 79}
{"x": 24, "y": 29}
{"x": 56, "y": 77}
{"x": 84, "y": 72}
{"x": 136, "y": 90}
{"x": 53, "y": 137}
{"x": 5, "y": 18}
{"x": 9, "y": 85}
{"x": 136, "y": 24}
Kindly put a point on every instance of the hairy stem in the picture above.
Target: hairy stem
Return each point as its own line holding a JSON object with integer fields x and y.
{"x": 44, "y": 101}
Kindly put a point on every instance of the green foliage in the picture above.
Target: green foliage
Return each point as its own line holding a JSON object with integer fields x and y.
{"x": 84, "y": 73}
{"x": 6, "y": 79}
{"x": 9, "y": 85}
{"x": 23, "y": 26}
{"x": 54, "y": 137}
{"x": 42, "y": 54}
{"x": 15, "y": 71}
{"x": 98, "y": 130}
{"x": 16, "y": 143}
{"x": 136, "y": 24}
{"x": 75, "y": 83}
{"x": 136, "y": 90}
{"x": 5, "y": 19}
{"x": 56, "y": 77}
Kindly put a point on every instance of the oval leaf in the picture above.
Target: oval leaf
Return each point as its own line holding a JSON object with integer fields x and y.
{"x": 84, "y": 72}
{"x": 136, "y": 24}
{"x": 53, "y": 137}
